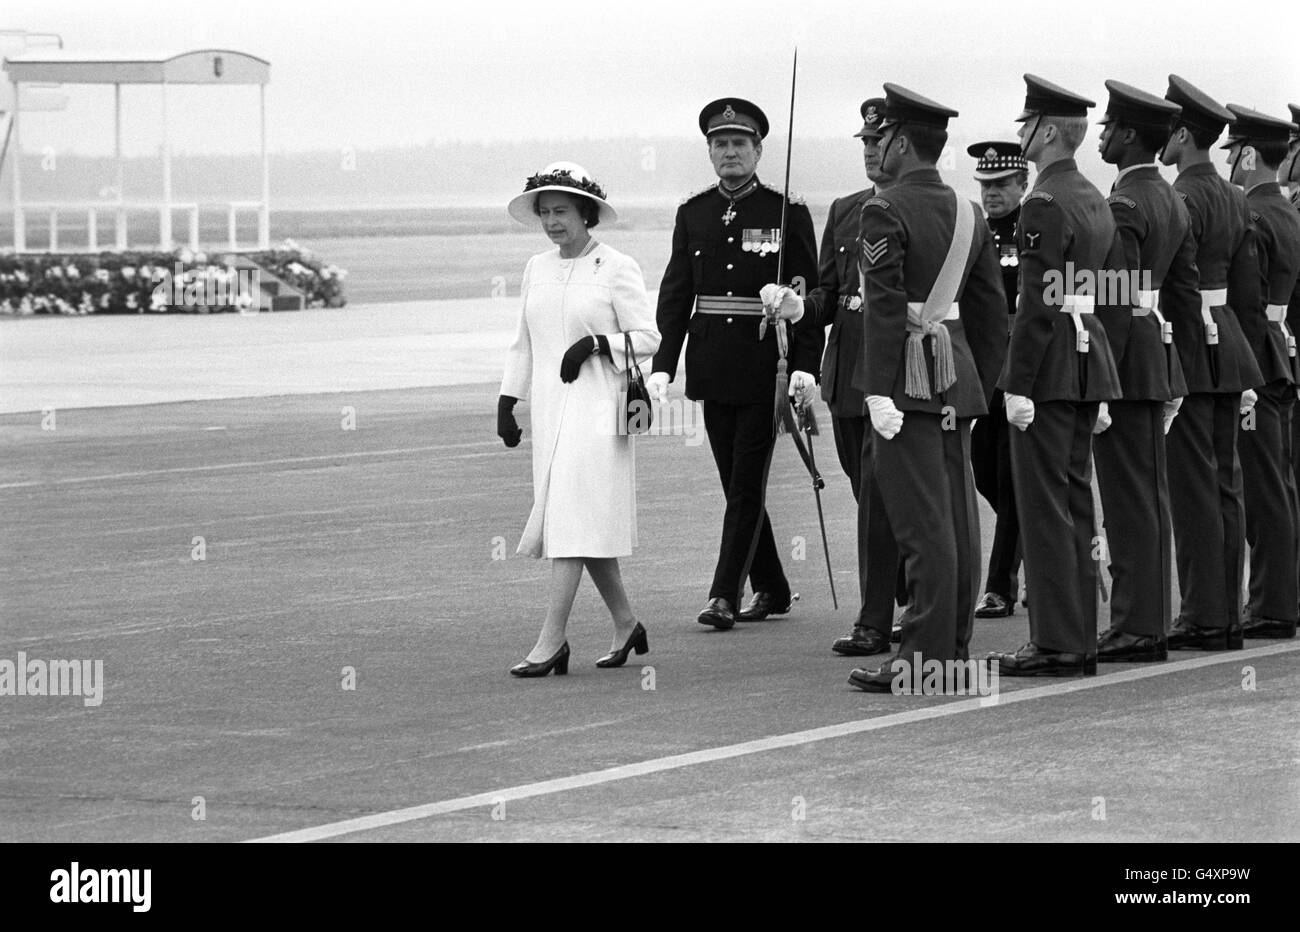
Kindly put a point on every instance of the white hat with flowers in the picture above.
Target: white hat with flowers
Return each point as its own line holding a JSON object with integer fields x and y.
{"x": 569, "y": 177}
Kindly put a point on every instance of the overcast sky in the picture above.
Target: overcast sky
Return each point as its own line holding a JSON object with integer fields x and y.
{"x": 381, "y": 72}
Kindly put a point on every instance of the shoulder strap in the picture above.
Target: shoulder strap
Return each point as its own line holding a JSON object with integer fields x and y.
{"x": 945, "y": 287}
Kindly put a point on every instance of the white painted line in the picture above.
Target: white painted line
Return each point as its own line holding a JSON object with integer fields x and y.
{"x": 247, "y": 464}
{"x": 761, "y": 745}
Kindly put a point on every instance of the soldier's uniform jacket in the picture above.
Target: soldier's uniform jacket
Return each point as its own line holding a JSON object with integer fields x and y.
{"x": 725, "y": 360}
{"x": 831, "y": 302}
{"x": 906, "y": 234}
{"x": 1064, "y": 219}
{"x": 1153, "y": 234}
{"x": 1277, "y": 247}
{"x": 1225, "y": 258}
{"x": 1006, "y": 247}
{"x": 1293, "y": 312}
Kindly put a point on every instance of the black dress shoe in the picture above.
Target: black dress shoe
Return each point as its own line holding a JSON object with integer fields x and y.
{"x": 718, "y": 613}
{"x": 1194, "y": 637}
{"x": 879, "y": 680}
{"x": 636, "y": 641}
{"x": 1032, "y": 660}
{"x": 559, "y": 663}
{"x": 1120, "y": 647}
{"x": 992, "y": 605}
{"x": 896, "y": 633}
{"x": 1268, "y": 628}
{"x": 764, "y": 604}
{"x": 861, "y": 642}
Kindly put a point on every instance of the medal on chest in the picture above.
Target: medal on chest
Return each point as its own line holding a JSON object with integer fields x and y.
{"x": 762, "y": 242}
{"x": 729, "y": 214}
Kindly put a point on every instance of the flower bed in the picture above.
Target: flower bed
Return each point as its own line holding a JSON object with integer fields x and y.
{"x": 159, "y": 282}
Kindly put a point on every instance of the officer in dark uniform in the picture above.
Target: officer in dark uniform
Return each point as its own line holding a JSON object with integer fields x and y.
{"x": 837, "y": 301}
{"x": 1059, "y": 367}
{"x": 726, "y": 240}
{"x": 933, "y": 343}
{"x": 1003, "y": 175}
{"x": 1257, "y": 144}
{"x": 1205, "y": 492}
{"x": 1154, "y": 295}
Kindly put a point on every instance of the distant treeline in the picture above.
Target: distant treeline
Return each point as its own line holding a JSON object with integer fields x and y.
{"x": 464, "y": 174}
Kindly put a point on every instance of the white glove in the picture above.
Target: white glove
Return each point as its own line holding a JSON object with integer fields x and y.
{"x": 1171, "y": 411}
{"x": 1020, "y": 410}
{"x": 803, "y": 387}
{"x": 1103, "y": 419}
{"x": 658, "y": 385}
{"x": 782, "y": 301}
{"x": 885, "y": 416}
{"x": 1248, "y": 399}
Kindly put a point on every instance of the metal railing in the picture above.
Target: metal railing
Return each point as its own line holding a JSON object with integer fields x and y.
{"x": 121, "y": 210}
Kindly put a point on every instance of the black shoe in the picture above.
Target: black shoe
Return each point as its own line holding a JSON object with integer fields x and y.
{"x": 636, "y": 641}
{"x": 861, "y": 642}
{"x": 764, "y": 604}
{"x": 1268, "y": 628}
{"x": 879, "y": 680}
{"x": 559, "y": 663}
{"x": 718, "y": 613}
{"x": 1194, "y": 637}
{"x": 1032, "y": 660}
{"x": 896, "y": 633}
{"x": 992, "y": 605}
{"x": 1120, "y": 647}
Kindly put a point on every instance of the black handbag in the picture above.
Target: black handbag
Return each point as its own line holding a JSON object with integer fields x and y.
{"x": 637, "y": 413}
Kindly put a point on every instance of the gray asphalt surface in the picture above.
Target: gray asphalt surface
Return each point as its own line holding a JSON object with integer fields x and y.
{"x": 374, "y": 549}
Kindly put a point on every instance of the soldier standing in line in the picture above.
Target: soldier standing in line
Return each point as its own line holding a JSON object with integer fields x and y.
{"x": 726, "y": 240}
{"x": 1059, "y": 367}
{"x": 932, "y": 346}
{"x": 1003, "y": 175}
{"x": 1155, "y": 295}
{"x": 837, "y": 301}
{"x": 1257, "y": 144}
{"x": 1205, "y": 492}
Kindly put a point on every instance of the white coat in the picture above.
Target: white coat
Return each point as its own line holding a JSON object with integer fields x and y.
{"x": 584, "y": 468}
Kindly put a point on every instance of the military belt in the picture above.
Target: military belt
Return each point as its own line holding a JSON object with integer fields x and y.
{"x": 1148, "y": 305}
{"x": 728, "y": 305}
{"x": 1213, "y": 297}
{"x": 1277, "y": 315}
{"x": 1076, "y": 305}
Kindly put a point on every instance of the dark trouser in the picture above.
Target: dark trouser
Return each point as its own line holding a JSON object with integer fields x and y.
{"x": 1270, "y": 490}
{"x": 876, "y": 547}
{"x": 741, "y": 439}
{"x": 1130, "y": 458}
{"x": 991, "y": 461}
{"x": 1052, "y": 471}
{"x": 1205, "y": 502}
{"x": 924, "y": 479}
{"x": 850, "y": 434}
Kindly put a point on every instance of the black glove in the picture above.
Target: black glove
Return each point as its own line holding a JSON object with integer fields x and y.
{"x": 507, "y": 427}
{"x": 577, "y": 354}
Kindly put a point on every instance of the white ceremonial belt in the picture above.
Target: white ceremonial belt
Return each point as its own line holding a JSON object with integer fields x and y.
{"x": 1277, "y": 315}
{"x": 1148, "y": 305}
{"x": 954, "y": 312}
{"x": 1214, "y": 297}
{"x": 1075, "y": 305}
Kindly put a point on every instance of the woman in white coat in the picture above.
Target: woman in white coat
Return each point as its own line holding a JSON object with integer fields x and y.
{"x": 579, "y": 300}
